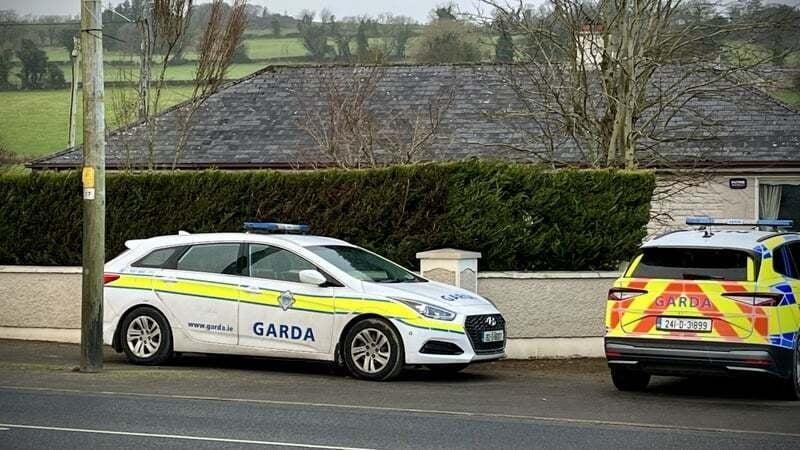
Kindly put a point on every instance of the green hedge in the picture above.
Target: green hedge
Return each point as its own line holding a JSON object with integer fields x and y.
{"x": 520, "y": 217}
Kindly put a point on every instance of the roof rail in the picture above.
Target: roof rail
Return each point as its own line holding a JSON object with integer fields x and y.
{"x": 704, "y": 221}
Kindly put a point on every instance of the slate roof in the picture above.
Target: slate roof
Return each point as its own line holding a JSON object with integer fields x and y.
{"x": 257, "y": 122}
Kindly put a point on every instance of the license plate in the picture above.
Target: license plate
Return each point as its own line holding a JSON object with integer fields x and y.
{"x": 681, "y": 324}
{"x": 493, "y": 336}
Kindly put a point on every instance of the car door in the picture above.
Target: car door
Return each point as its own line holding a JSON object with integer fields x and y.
{"x": 201, "y": 290}
{"x": 277, "y": 311}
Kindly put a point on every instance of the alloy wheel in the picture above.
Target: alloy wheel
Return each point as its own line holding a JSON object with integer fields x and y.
{"x": 144, "y": 337}
{"x": 370, "y": 350}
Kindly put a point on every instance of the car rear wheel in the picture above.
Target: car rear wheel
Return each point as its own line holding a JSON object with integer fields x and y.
{"x": 629, "y": 380}
{"x": 447, "y": 369}
{"x": 146, "y": 337}
{"x": 373, "y": 351}
{"x": 791, "y": 386}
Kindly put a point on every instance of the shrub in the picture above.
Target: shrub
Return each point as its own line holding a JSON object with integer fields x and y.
{"x": 520, "y": 217}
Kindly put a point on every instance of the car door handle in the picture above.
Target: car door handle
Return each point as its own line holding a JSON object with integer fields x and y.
{"x": 252, "y": 289}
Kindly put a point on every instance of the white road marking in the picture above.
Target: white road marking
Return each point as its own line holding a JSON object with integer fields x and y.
{"x": 569, "y": 420}
{"x": 181, "y": 437}
{"x": 3, "y": 429}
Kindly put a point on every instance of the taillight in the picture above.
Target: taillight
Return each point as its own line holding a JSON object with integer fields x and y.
{"x": 620, "y": 294}
{"x": 756, "y": 298}
{"x": 109, "y": 277}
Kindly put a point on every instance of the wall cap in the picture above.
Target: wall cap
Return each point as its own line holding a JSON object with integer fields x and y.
{"x": 448, "y": 253}
{"x": 40, "y": 269}
{"x": 550, "y": 275}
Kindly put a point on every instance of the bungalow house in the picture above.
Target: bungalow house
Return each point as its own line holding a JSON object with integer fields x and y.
{"x": 734, "y": 152}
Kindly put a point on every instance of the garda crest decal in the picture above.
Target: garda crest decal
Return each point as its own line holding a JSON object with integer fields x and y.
{"x": 286, "y": 300}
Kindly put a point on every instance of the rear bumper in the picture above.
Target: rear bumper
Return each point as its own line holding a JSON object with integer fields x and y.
{"x": 674, "y": 357}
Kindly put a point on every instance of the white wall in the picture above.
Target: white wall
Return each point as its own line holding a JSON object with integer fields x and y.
{"x": 549, "y": 314}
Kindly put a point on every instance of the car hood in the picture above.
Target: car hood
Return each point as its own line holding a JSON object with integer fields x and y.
{"x": 437, "y": 294}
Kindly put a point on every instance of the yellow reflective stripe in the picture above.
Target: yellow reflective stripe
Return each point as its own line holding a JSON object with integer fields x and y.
{"x": 633, "y": 265}
{"x": 383, "y": 308}
{"x": 327, "y": 305}
{"x": 751, "y": 270}
{"x": 199, "y": 288}
{"x": 133, "y": 282}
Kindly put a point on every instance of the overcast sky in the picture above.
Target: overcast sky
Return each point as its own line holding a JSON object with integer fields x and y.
{"x": 417, "y": 9}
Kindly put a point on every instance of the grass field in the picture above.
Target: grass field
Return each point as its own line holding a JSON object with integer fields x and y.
{"x": 174, "y": 73}
{"x": 788, "y": 96}
{"x": 36, "y": 122}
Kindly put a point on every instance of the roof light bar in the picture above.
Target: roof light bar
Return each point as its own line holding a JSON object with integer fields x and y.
{"x": 272, "y": 227}
{"x": 709, "y": 221}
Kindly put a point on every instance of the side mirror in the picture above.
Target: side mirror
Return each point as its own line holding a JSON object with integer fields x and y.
{"x": 312, "y": 277}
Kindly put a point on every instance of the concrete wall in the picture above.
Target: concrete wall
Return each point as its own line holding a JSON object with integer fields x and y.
{"x": 549, "y": 314}
{"x": 41, "y": 303}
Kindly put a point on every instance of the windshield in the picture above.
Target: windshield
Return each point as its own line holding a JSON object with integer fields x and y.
{"x": 363, "y": 265}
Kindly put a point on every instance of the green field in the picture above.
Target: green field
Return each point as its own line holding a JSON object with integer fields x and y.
{"x": 174, "y": 73}
{"x": 36, "y": 122}
{"x": 788, "y": 96}
{"x": 270, "y": 48}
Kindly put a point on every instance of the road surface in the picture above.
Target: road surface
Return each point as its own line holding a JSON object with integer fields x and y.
{"x": 227, "y": 402}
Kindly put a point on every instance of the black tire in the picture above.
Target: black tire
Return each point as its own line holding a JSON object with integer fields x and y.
{"x": 394, "y": 345}
{"x": 446, "y": 369}
{"x": 629, "y": 380}
{"x": 162, "y": 342}
{"x": 790, "y": 388}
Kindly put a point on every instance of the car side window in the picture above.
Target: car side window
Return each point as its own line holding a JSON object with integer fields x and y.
{"x": 794, "y": 254}
{"x": 212, "y": 258}
{"x": 785, "y": 260}
{"x": 273, "y": 263}
{"x": 163, "y": 258}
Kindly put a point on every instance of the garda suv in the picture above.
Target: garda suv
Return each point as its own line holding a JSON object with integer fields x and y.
{"x": 709, "y": 301}
{"x": 275, "y": 291}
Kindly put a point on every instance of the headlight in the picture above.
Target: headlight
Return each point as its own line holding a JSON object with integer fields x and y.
{"x": 433, "y": 312}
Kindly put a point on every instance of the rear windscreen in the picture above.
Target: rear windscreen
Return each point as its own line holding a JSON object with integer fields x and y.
{"x": 692, "y": 264}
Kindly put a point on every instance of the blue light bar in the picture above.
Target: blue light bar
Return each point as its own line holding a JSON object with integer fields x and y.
{"x": 272, "y": 227}
{"x": 709, "y": 221}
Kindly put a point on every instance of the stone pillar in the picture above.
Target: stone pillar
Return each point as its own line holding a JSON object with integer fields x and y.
{"x": 451, "y": 266}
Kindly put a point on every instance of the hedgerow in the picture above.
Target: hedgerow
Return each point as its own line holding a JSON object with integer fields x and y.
{"x": 520, "y": 217}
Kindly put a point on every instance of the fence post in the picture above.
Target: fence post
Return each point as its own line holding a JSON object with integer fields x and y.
{"x": 451, "y": 266}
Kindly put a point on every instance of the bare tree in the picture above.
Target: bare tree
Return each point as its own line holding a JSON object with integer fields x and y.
{"x": 614, "y": 79}
{"x": 170, "y": 24}
{"x": 343, "y": 128}
{"x": 222, "y": 36}
{"x": 125, "y": 107}
{"x": 346, "y": 127}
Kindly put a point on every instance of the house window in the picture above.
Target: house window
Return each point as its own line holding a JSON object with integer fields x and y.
{"x": 780, "y": 200}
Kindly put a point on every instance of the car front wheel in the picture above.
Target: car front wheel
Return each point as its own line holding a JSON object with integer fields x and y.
{"x": 146, "y": 337}
{"x": 373, "y": 351}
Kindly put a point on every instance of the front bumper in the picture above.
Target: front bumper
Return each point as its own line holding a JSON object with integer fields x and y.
{"x": 427, "y": 346}
{"x": 678, "y": 357}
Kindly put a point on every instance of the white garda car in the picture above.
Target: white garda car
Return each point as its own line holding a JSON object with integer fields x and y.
{"x": 277, "y": 292}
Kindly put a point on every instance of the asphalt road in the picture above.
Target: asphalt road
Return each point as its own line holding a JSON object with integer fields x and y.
{"x": 226, "y": 402}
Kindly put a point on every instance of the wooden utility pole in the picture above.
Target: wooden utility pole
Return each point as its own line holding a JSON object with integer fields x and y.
{"x": 94, "y": 192}
{"x": 73, "y": 97}
{"x": 145, "y": 24}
